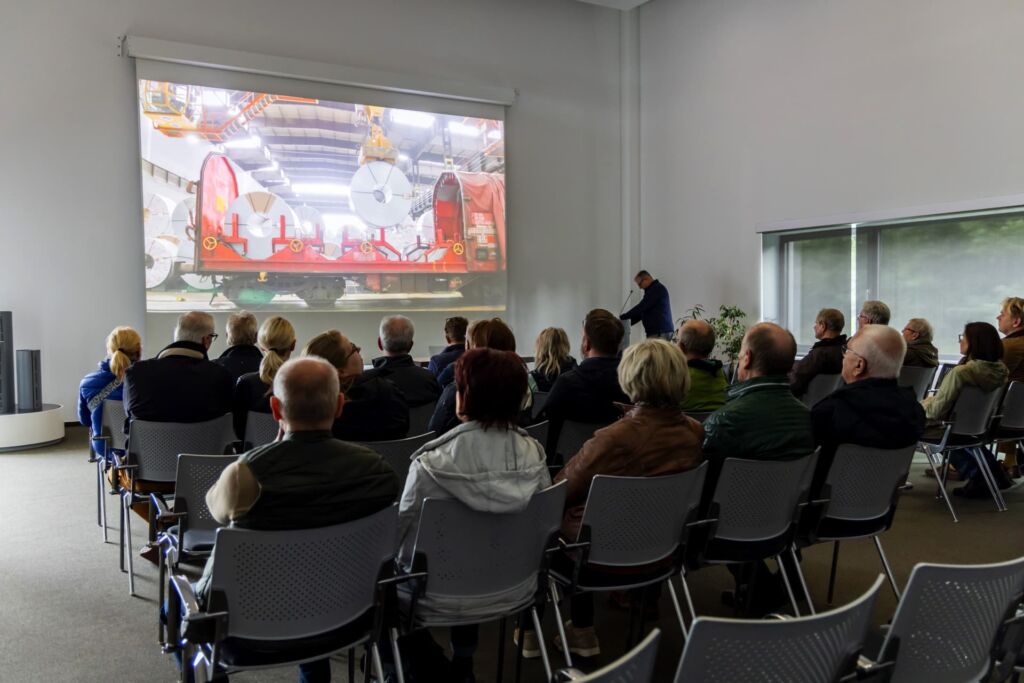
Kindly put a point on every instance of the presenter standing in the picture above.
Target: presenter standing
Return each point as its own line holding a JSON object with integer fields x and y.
{"x": 654, "y": 310}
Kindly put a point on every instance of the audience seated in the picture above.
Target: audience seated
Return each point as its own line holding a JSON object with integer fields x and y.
{"x": 826, "y": 356}
{"x": 396, "y": 339}
{"x": 551, "y": 357}
{"x": 124, "y": 347}
{"x": 591, "y": 391}
{"x": 921, "y": 352}
{"x": 873, "y": 313}
{"x": 871, "y": 409}
{"x": 982, "y": 367}
{"x": 276, "y": 340}
{"x": 1011, "y": 324}
{"x": 455, "y": 338}
{"x": 653, "y": 438}
{"x": 375, "y": 409}
{"x": 308, "y": 478}
{"x": 490, "y": 333}
{"x": 696, "y": 339}
{"x": 241, "y": 356}
{"x": 487, "y": 463}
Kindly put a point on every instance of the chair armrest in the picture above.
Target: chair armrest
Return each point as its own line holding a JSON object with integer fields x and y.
{"x": 702, "y": 522}
{"x": 565, "y": 545}
{"x": 565, "y": 675}
{"x": 197, "y": 626}
{"x": 401, "y": 578}
{"x": 868, "y": 669}
{"x": 119, "y": 463}
{"x": 163, "y": 513}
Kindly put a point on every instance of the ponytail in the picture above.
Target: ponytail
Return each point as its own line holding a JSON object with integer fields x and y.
{"x": 124, "y": 346}
{"x": 277, "y": 339}
{"x": 271, "y": 363}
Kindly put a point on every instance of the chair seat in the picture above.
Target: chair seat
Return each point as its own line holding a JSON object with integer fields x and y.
{"x": 196, "y": 540}
{"x": 244, "y": 653}
{"x": 724, "y": 551}
{"x": 954, "y": 441}
{"x": 1005, "y": 434}
{"x": 594, "y": 577}
{"x": 832, "y": 529}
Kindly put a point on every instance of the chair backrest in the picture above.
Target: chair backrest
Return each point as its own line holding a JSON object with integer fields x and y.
{"x": 539, "y": 431}
{"x": 478, "y": 554}
{"x": 636, "y": 666}
{"x": 574, "y": 435}
{"x": 281, "y": 585}
{"x": 398, "y": 453}
{"x": 1013, "y": 407}
{"x": 540, "y": 399}
{"x": 862, "y": 482}
{"x": 196, "y": 475}
{"x": 973, "y": 410}
{"x": 756, "y": 500}
{"x": 419, "y": 418}
{"x": 947, "y": 620}
{"x": 917, "y": 378}
{"x": 941, "y": 373}
{"x": 812, "y": 649}
{"x": 260, "y": 429}
{"x": 635, "y": 521}
{"x": 155, "y": 446}
{"x": 820, "y": 387}
{"x": 112, "y": 423}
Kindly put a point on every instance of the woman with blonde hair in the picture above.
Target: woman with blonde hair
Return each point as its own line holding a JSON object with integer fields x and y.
{"x": 276, "y": 339}
{"x": 374, "y": 408}
{"x": 551, "y": 357}
{"x": 124, "y": 347}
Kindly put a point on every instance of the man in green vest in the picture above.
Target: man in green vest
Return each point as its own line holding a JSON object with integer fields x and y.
{"x": 707, "y": 379}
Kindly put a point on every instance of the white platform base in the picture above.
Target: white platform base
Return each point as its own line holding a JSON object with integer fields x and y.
{"x": 21, "y": 431}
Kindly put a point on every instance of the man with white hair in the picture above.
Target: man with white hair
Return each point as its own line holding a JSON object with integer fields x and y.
{"x": 418, "y": 384}
{"x": 921, "y": 352}
{"x": 242, "y": 356}
{"x": 871, "y": 409}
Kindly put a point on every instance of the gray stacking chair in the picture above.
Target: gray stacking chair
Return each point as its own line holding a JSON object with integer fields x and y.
{"x": 571, "y": 437}
{"x": 637, "y": 523}
{"x": 419, "y": 418}
{"x": 472, "y": 556}
{"x": 860, "y": 495}
{"x": 152, "y": 456}
{"x": 971, "y": 419}
{"x": 946, "y": 623}
{"x": 398, "y": 453}
{"x": 754, "y": 512}
{"x": 636, "y": 666}
{"x": 814, "y": 649}
{"x": 114, "y": 439}
{"x": 260, "y": 429}
{"x": 538, "y": 431}
{"x": 917, "y": 378}
{"x": 540, "y": 399}
{"x": 280, "y": 598}
{"x": 1011, "y": 416}
{"x": 194, "y": 528}
{"x": 820, "y": 387}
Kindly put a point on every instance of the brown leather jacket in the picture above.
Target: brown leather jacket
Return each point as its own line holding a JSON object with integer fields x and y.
{"x": 646, "y": 442}
{"x": 1013, "y": 355}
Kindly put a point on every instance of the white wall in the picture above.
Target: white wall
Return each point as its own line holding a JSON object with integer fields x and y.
{"x": 72, "y": 244}
{"x": 756, "y": 111}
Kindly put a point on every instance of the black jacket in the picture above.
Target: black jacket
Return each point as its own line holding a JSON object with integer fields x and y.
{"x": 440, "y": 361}
{"x": 587, "y": 394}
{"x": 418, "y": 384}
{"x": 872, "y": 412}
{"x": 179, "y": 385}
{"x": 824, "y": 358}
{"x": 240, "y": 359}
{"x": 545, "y": 382}
{"x": 375, "y": 410}
{"x": 250, "y": 394}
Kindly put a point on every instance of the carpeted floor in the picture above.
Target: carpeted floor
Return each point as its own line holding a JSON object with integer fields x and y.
{"x": 66, "y": 615}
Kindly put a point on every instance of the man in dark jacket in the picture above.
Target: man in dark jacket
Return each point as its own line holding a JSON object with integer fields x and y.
{"x": 654, "y": 309}
{"x": 308, "y": 479}
{"x": 921, "y": 352}
{"x": 589, "y": 393}
{"x": 826, "y": 356}
{"x": 871, "y": 409}
{"x": 455, "y": 337}
{"x": 242, "y": 355}
{"x": 396, "y": 339}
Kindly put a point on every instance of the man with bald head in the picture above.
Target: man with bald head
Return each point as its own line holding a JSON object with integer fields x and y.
{"x": 696, "y": 338}
{"x": 871, "y": 409}
{"x": 307, "y": 478}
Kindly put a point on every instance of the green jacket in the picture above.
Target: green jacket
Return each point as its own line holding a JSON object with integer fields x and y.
{"x": 761, "y": 420}
{"x": 707, "y": 386}
{"x": 985, "y": 374}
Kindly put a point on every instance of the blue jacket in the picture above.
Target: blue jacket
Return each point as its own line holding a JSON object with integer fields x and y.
{"x": 654, "y": 310}
{"x": 440, "y": 361}
{"x": 92, "y": 384}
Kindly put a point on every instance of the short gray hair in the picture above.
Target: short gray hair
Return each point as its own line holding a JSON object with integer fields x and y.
{"x": 193, "y": 326}
{"x": 922, "y": 327}
{"x": 876, "y": 312}
{"x": 883, "y": 348}
{"x": 832, "y": 319}
{"x": 396, "y": 332}
{"x": 308, "y": 390}
{"x": 697, "y": 337}
{"x": 241, "y": 328}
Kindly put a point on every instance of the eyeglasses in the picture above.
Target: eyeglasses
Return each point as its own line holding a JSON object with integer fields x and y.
{"x": 959, "y": 338}
{"x": 847, "y": 349}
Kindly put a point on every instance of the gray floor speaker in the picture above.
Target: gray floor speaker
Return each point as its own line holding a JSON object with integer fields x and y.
{"x": 6, "y": 363}
{"x": 30, "y": 381}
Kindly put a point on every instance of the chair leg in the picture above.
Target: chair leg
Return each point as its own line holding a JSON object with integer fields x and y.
{"x": 161, "y": 576}
{"x": 679, "y": 612}
{"x": 832, "y": 573}
{"x": 128, "y": 542}
{"x": 990, "y": 481}
{"x": 396, "y": 655}
{"x": 886, "y": 567}
{"x": 789, "y": 588}
{"x": 375, "y": 651}
{"x": 686, "y": 594}
{"x": 351, "y": 657}
{"x": 103, "y": 497}
{"x": 120, "y": 529}
{"x": 502, "y": 634}
{"x": 561, "y": 629}
{"x": 99, "y": 496}
{"x": 543, "y": 649}
{"x": 941, "y": 481}
{"x": 519, "y": 648}
{"x": 803, "y": 581}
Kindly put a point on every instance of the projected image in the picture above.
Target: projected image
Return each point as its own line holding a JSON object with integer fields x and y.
{"x": 255, "y": 200}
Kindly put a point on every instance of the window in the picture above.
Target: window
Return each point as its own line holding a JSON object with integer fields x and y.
{"x": 949, "y": 268}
